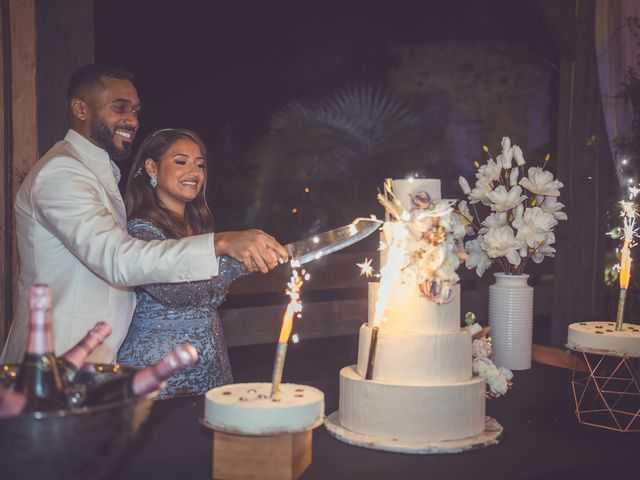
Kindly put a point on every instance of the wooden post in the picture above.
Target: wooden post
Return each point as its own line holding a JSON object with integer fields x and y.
{"x": 19, "y": 132}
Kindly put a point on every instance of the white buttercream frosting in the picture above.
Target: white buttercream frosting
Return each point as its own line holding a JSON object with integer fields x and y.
{"x": 404, "y": 189}
{"x": 411, "y": 412}
{"x": 409, "y": 311}
{"x": 602, "y": 337}
{"x": 247, "y": 408}
{"x": 417, "y": 358}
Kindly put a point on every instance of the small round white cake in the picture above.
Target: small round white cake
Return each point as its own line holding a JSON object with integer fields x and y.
{"x": 603, "y": 338}
{"x": 247, "y": 408}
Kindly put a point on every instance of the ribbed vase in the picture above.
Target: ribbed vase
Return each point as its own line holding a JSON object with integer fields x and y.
{"x": 511, "y": 321}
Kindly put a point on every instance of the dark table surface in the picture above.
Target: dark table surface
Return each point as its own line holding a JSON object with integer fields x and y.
{"x": 542, "y": 439}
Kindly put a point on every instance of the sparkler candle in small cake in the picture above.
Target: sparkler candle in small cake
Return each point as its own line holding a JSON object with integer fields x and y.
{"x": 294, "y": 307}
{"x": 617, "y": 338}
{"x": 629, "y": 233}
{"x": 263, "y": 430}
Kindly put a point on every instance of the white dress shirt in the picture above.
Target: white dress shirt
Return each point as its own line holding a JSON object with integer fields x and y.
{"x": 71, "y": 229}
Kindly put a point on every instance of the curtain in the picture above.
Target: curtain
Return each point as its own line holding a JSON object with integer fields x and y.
{"x": 616, "y": 51}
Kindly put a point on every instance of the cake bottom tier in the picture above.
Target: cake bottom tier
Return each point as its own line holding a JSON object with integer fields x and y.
{"x": 411, "y": 412}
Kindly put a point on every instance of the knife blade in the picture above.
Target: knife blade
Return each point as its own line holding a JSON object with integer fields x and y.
{"x": 322, "y": 244}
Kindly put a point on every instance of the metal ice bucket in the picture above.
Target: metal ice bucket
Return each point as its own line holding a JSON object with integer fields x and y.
{"x": 78, "y": 443}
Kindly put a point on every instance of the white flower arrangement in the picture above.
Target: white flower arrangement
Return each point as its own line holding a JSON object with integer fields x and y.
{"x": 424, "y": 244}
{"x": 522, "y": 212}
{"x": 497, "y": 379}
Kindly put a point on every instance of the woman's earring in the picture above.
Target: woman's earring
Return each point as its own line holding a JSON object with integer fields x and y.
{"x": 153, "y": 181}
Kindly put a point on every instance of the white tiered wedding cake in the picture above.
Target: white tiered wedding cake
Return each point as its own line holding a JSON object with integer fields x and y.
{"x": 422, "y": 396}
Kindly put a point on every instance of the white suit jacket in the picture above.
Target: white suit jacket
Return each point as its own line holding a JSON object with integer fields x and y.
{"x": 71, "y": 230}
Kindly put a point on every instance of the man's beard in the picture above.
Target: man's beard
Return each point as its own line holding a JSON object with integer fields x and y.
{"x": 102, "y": 136}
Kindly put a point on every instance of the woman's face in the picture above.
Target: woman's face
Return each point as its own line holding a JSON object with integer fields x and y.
{"x": 180, "y": 173}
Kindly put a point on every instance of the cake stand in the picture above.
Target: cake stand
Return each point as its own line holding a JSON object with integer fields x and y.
{"x": 490, "y": 436}
{"x": 608, "y": 395}
{"x": 255, "y": 436}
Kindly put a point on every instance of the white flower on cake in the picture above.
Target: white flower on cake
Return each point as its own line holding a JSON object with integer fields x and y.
{"x": 541, "y": 182}
{"x": 481, "y": 347}
{"x": 424, "y": 245}
{"x": 498, "y": 379}
{"x": 522, "y": 212}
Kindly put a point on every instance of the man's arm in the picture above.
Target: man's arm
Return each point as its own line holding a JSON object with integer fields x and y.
{"x": 67, "y": 201}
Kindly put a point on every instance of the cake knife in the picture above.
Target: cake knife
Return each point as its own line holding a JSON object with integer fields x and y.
{"x": 321, "y": 244}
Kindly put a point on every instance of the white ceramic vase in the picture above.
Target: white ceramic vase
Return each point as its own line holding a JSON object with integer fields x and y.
{"x": 511, "y": 321}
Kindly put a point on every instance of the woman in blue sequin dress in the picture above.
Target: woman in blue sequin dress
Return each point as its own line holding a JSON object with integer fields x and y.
{"x": 165, "y": 199}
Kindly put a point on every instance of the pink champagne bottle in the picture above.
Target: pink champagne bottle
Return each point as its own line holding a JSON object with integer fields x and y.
{"x": 11, "y": 403}
{"x": 143, "y": 381}
{"x": 71, "y": 361}
{"x": 39, "y": 379}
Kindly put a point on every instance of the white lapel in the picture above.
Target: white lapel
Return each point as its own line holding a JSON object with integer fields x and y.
{"x": 97, "y": 160}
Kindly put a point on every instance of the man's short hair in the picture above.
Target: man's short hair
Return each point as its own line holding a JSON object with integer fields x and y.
{"x": 89, "y": 77}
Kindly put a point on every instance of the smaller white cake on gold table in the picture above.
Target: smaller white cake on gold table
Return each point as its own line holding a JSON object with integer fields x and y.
{"x": 607, "y": 395}
{"x": 257, "y": 436}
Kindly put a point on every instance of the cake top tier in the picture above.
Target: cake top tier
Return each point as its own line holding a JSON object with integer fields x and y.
{"x": 405, "y": 189}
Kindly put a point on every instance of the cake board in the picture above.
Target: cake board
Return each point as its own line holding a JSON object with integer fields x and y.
{"x": 490, "y": 436}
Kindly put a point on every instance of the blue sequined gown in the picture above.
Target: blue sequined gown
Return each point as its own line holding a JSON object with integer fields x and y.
{"x": 167, "y": 315}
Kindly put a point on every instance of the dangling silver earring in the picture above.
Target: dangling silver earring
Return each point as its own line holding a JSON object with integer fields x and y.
{"x": 153, "y": 181}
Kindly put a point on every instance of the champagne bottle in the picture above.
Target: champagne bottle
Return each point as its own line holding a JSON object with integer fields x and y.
{"x": 143, "y": 381}
{"x": 71, "y": 361}
{"x": 39, "y": 379}
{"x": 11, "y": 403}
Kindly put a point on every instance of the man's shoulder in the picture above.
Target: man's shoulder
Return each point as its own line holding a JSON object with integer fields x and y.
{"x": 57, "y": 164}
{"x": 63, "y": 153}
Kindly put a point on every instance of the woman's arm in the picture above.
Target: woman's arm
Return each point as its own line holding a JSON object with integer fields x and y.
{"x": 182, "y": 294}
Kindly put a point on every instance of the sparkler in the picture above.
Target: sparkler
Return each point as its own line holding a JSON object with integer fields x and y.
{"x": 295, "y": 306}
{"x": 629, "y": 233}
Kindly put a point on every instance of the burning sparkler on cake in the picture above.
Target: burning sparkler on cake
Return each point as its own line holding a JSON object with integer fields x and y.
{"x": 628, "y": 212}
{"x": 294, "y": 308}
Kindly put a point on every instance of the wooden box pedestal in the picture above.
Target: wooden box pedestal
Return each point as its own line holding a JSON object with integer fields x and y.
{"x": 283, "y": 456}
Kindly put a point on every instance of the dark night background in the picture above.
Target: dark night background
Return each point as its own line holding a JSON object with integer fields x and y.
{"x": 224, "y": 69}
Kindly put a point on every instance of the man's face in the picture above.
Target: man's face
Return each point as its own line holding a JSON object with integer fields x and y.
{"x": 113, "y": 117}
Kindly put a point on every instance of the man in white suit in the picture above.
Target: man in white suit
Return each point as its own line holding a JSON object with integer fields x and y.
{"x": 71, "y": 225}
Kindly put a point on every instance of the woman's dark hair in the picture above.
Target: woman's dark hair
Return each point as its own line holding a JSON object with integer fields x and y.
{"x": 140, "y": 197}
